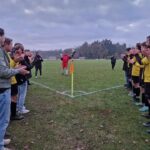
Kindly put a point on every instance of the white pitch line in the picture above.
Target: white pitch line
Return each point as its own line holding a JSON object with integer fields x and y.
{"x": 53, "y": 90}
{"x": 84, "y": 93}
{"x": 75, "y": 91}
{"x": 106, "y": 89}
{"x": 62, "y": 93}
{"x": 42, "y": 85}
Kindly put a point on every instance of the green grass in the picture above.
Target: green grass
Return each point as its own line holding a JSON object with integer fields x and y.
{"x": 105, "y": 120}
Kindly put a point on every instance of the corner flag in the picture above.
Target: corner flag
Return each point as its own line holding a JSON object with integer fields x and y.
{"x": 71, "y": 68}
{"x": 72, "y": 77}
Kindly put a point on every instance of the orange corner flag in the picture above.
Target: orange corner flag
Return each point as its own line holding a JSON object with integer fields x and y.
{"x": 71, "y": 68}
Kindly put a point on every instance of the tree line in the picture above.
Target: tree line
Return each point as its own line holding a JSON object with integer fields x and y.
{"x": 95, "y": 50}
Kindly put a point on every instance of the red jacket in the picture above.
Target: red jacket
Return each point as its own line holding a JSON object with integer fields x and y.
{"x": 65, "y": 59}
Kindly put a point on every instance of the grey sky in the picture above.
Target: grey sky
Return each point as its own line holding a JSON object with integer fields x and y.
{"x": 52, "y": 24}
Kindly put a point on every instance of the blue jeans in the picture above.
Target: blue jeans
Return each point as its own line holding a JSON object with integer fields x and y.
{"x": 22, "y": 92}
{"x": 126, "y": 79}
{"x": 5, "y": 100}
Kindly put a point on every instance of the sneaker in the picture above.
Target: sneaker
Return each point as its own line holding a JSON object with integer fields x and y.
{"x": 143, "y": 109}
{"x": 146, "y": 124}
{"x": 138, "y": 104}
{"x": 130, "y": 94}
{"x": 24, "y": 111}
{"x": 24, "y": 108}
{"x": 7, "y": 141}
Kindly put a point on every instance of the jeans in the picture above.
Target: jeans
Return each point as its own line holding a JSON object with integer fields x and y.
{"x": 22, "y": 92}
{"x": 5, "y": 101}
{"x": 126, "y": 78}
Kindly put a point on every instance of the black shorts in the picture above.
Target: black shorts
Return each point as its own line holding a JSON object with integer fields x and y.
{"x": 136, "y": 79}
{"x": 14, "y": 90}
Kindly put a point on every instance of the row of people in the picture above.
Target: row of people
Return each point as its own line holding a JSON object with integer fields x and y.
{"x": 15, "y": 71}
{"x": 137, "y": 74}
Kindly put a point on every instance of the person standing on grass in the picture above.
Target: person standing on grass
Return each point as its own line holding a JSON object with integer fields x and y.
{"x": 113, "y": 62}
{"x": 65, "y": 60}
{"x": 144, "y": 106}
{"x": 21, "y": 80}
{"x": 14, "y": 87}
{"x": 125, "y": 67}
{"x": 146, "y": 62}
{"x": 136, "y": 62}
{"x": 5, "y": 90}
{"x": 29, "y": 59}
{"x": 38, "y": 64}
{"x": 129, "y": 73}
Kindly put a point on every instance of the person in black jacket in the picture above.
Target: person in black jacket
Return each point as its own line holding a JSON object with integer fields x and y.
{"x": 126, "y": 67}
{"x": 38, "y": 64}
{"x": 21, "y": 80}
{"x": 113, "y": 62}
{"x": 29, "y": 60}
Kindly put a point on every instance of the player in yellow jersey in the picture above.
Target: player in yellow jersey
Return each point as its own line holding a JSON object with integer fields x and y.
{"x": 144, "y": 107}
{"x": 136, "y": 74}
{"x": 146, "y": 63}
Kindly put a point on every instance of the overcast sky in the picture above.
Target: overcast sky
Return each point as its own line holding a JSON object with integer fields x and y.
{"x": 53, "y": 24}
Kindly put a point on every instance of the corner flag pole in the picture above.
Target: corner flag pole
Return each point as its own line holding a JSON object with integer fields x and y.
{"x": 72, "y": 84}
{"x": 72, "y": 77}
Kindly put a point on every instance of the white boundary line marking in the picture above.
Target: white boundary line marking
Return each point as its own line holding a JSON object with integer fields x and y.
{"x": 84, "y": 93}
{"x": 44, "y": 86}
{"x": 51, "y": 89}
{"x": 81, "y": 93}
{"x": 106, "y": 89}
{"x": 75, "y": 91}
{"x": 62, "y": 93}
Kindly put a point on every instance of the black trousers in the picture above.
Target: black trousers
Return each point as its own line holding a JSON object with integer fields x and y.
{"x": 147, "y": 90}
{"x": 147, "y": 94}
{"x": 38, "y": 68}
{"x": 113, "y": 65}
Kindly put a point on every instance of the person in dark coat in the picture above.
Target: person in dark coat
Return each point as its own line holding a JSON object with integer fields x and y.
{"x": 113, "y": 62}
{"x": 29, "y": 60}
{"x": 38, "y": 64}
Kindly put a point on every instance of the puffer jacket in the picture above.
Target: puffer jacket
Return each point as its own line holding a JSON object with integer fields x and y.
{"x": 5, "y": 72}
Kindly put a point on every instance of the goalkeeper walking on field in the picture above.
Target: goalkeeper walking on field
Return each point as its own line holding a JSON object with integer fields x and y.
{"x": 65, "y": 60}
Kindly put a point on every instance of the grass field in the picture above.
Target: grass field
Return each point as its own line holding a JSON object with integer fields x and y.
{"x": 105, "y": 120}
